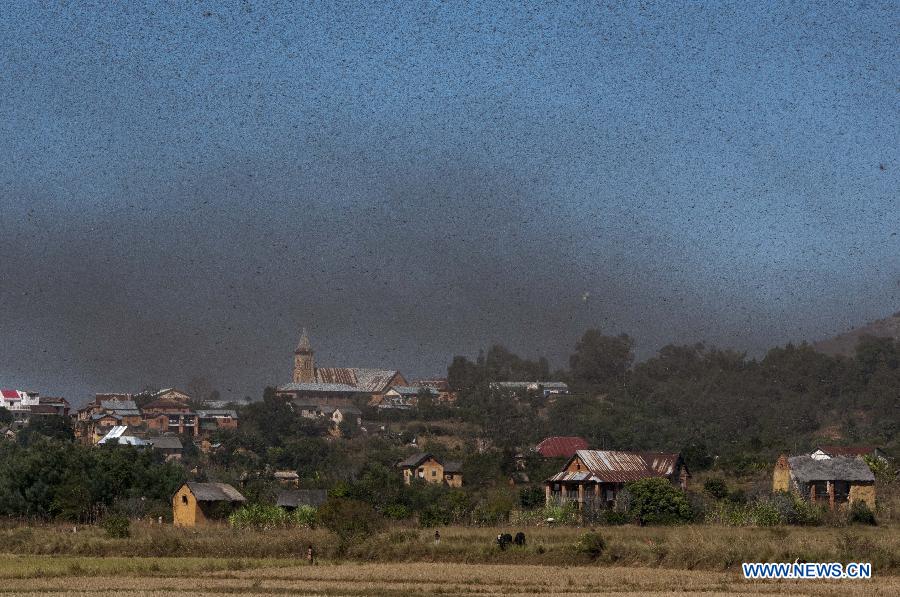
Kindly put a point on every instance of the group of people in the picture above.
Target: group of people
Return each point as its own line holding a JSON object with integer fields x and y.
{"x": 504, "y": 540}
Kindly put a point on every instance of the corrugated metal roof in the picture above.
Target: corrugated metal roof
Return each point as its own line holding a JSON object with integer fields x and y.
{"x": 319, "y": 387}
{"x": 413, "y": 391}
{"x": 213, "y": 413}
{"x": 215, "y": 492}
{"x": 611, "y": 466}
{"x": 560, "y": 447}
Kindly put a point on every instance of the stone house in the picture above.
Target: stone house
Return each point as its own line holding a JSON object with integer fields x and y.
{"x": 835, "y": 481}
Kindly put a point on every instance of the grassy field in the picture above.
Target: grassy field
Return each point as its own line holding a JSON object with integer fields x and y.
{"x": 45, "y": 575}
{"x": 692, "y": 547}
{"x": 161, "y": 560}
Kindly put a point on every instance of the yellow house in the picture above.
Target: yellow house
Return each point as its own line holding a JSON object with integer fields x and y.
{"x": 430, "y": 469}
{"x": 198, "y": 504}
{"x": 833, "y": 481}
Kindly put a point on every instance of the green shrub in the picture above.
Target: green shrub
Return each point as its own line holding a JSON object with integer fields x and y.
{"x": 117, "y": 526}
{"x": 611, "y": 517}
{"x": 396, "y": 511}
{"x": 656, "y": 501}
{"x": 258, "y": 516}
{"x": 303, "y": 516}
{"x": 591, "y": 545}
{"x": 861, "y": 514}
{"x": 349, "y": 519}
{"x": 765, "y": 514}
{"x": 716, "y": 488}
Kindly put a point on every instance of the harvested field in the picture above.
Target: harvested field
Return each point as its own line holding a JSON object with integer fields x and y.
{"x": 198, "y": 577}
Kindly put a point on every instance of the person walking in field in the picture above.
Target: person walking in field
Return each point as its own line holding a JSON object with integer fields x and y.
{"x": 437, "y": 537}
{"x": 311, "y": 555}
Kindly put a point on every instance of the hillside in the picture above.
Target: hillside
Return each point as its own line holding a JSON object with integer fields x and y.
{"x": 845, "y": 344}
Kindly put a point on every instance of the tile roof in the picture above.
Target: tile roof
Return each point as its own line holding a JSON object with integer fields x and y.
{"x": 117, "y": 405}
{"x": 805, "y": 468}
{"x": 453, "y": 466}
{"x": 215, "y": 492}
{"x": 166, "y": 442}
{"x": 561, "y": 447}
{"x": 414, "y": 460}
{"x": 848, "y": 450}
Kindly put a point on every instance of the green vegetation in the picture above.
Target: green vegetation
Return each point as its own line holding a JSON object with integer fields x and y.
{"x": 656, "y": 501}
{"x": 263, "y": 516}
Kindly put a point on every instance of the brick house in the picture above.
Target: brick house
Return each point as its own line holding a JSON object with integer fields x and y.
{"x": 169, "y": 416}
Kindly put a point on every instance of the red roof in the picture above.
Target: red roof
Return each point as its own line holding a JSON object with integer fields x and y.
{"x": 848, "y": 450}
{"x": 561, "y": 447}
{"x": 10, "y": 394}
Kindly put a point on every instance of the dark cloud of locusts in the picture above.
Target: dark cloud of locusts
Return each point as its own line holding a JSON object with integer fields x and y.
{"x": 182, "y": 188}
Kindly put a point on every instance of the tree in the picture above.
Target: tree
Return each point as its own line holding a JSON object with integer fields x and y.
{"x": 52, "y": 426}
{"x": 600, "y": 359}
{"x": 716, "y": 488}
{"x": 6, "y": 417}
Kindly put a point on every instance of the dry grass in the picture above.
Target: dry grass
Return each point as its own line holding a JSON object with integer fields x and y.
{"x": 696, "y": 547}
{"x": 419, "y": 579}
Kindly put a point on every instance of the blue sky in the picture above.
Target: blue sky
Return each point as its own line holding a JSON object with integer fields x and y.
{"x": 186, "y": 185}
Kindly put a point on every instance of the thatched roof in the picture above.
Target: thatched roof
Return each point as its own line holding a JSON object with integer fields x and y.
{"x": 805, "y": 469}
{"x": 215, "y": 492}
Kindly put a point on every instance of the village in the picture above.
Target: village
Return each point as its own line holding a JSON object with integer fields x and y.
{"x": 564, "y": 477}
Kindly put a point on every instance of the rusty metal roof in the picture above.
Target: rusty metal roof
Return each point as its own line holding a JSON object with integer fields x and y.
{"x": 610, "y": 466}
{"x": 366, "y": 380}
{"x": 560, "y": 447}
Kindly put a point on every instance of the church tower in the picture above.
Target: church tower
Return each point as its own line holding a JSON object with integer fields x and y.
{"x": 304, "y": 364}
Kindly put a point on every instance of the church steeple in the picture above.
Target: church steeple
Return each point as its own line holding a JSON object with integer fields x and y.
{"x": 304, "y": 363}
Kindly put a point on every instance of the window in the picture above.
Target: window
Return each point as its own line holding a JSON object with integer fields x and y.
{"x": 433, "y": 473}
{"x": 184, "y": 499}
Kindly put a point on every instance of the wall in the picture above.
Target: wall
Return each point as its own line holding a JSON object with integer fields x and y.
{"x": 781, "y": 477}
{"x": 189, "y": 514}
{"x": 863, "y": 493}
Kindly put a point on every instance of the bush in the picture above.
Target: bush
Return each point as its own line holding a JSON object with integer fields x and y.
{"x": 716, "y": 488}
{"x": 656, "y": 501}
{"x": 764, "y": 513}
{"x": 261, "y": 516}
{"x": 117, "y": 526}
{"x": 591, "y": 545}
{"x": 349, "y": 519}
{"x": 861, "y": 514}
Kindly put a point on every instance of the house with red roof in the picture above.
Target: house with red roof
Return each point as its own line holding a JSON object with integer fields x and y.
{"x": 560, "y": 447}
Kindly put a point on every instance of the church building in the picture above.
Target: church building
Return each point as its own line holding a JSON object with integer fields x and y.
{"x": 334, "y": 386}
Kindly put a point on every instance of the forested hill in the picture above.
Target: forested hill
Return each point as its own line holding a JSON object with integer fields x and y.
{"x": 845, "y": 344}
{"x": 707, "y": 402}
